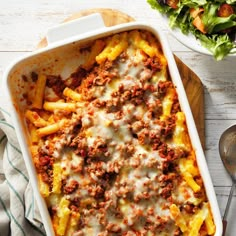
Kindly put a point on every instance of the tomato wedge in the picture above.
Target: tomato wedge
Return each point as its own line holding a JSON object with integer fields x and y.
{"x": 225, "y": 10}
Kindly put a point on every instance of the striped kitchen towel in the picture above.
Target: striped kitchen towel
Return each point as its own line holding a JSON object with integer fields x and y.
{"x": 19, "y": 213}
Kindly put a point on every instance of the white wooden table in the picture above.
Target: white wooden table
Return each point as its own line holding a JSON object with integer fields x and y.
{"x": 23, "y": 23}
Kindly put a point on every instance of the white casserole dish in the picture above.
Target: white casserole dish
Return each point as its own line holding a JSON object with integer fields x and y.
{"x": 62, "y": 42}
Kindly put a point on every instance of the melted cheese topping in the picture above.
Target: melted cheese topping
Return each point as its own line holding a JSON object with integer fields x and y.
{"x": 120, "y": 150}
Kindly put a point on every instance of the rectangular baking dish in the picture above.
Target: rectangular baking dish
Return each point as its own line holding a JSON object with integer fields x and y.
{"x": 62, "y": 43}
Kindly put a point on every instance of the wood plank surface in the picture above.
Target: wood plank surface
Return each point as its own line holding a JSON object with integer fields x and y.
{"x": 192, "y": 84}
{"x": 24, "y": 23}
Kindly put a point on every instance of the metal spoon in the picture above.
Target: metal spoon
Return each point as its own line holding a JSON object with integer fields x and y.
{"x": 227, "y": 149}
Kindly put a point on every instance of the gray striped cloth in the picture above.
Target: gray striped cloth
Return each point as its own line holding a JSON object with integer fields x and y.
{"x": 19, "y": 213}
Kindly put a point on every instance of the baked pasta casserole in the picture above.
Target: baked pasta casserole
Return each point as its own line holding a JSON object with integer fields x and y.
{"x": 111, "y": 146}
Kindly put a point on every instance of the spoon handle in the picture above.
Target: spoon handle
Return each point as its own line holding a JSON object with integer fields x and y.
{"x": 229, "y": 201}
{"x": 227, "y": 207}
{"x": 224, "y": 227}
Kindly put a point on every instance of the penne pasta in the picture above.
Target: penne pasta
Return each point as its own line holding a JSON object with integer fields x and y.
{"x": 56, "y": 182}
{"x": 189, "y": 171}
{"x": 39, "y": 92}
{"x": 33, "y": 134}
{"x": 115, "y": 46}
{"x": 54, "y": 106}
{"x": 64, "y": 215}
{"x": 72, "y": 224}
{"x": 142, "y": 44}
{"x": 96, "y": 48}
{"x": 180, "y": 135}
{"x": 50, "y": 129}
{"x": 178, "y": 217}
{"x": 34, "y": 117}
{"x": 72, "y": 94}
{"x": 43, "y": 187}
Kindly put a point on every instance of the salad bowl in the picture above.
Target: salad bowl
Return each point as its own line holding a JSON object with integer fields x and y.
{"x": 207, "y": 27}
{"x": 188, "y": 40}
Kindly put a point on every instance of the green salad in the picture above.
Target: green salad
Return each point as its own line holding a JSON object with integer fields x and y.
{"x": 212, "y": 22}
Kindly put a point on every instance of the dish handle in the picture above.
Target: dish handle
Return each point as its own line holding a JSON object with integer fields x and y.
{"x": 72, "y": 28}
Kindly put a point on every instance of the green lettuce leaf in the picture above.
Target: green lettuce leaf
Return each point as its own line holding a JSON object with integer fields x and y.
{"x": 219, "y": 45}
{"x": 173, "y": 18}
{"x": 230, "y": 1}
{"x": 193, "y": 3}
{"x": 160, "y": 7}
{"x": 212, "y": 22}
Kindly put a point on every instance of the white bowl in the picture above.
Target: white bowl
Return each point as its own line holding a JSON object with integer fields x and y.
{"x": 58, "y": 45}
{"x": 189, "y": 40}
